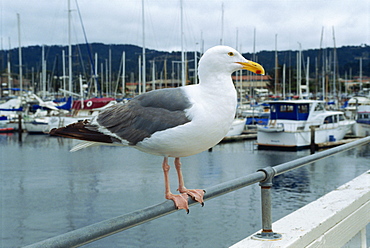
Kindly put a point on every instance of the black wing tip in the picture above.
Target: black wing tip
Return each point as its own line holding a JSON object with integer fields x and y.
{"x": 52, "y": 132}
{"x": 79, "y": 130}
{"x": 71, "y": 127}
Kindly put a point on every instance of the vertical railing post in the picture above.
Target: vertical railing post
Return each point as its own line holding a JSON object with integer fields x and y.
{"x": 266, "y": 184}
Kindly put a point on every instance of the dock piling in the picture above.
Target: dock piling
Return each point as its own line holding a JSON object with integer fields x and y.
{"x": 20, "y": 130}
{"x": 312, "y": 144}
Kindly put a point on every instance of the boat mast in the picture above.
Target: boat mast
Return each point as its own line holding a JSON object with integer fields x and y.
{"x": 43, "y": 65}
{"x": 9, "y": 69}
{"x": 334, "y": 65}
{"x": 307, "y": 86}
{"x": 106, "y": 78}
{"x": 143, "y": 27}
{"x": 123, "y": 73}
{"x": 96, "y": 75}
{"x": 323, "y": 65}
{"x": 20, "y": 54}
{"x": 102, "y": 75}
{"x": 251, "y": 91}
{"x": 64, "y": 71}
{"x": 196, "y": 65}
{"x": 182, "y": 47}
{"x": 284, "y": 81}
{"x": 69, "y": 49}
{"x": 276, "y": 65}
{"x": 360, "y": 79}
{"x": 153, "y": 74}
{"x": 110, "y": 88}
{"x": 299, "y": 71}
{"x": 140, "y": 74}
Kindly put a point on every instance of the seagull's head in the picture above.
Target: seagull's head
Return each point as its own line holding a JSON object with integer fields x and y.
{"x": 227, "y": 59}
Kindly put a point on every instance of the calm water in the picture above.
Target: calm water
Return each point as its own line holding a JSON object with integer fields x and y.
{"x": 47, "y": 191}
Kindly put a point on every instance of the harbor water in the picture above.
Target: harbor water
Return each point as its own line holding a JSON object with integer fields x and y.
{"x": 47, "y": 190}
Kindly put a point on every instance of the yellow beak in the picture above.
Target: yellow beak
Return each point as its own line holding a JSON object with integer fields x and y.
{"x": 253, "y": 67}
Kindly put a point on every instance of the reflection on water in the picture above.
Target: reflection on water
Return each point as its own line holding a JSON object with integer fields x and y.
{"x": 47, "y": 191}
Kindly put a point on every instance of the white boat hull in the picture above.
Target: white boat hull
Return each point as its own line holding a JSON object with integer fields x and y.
{"x": 237, "y": 127}
{"x": 38, "y": 125}
{"x": 301, "y": 139}
{"x": 362, "y": 129}
{"x": 62, "y": 121}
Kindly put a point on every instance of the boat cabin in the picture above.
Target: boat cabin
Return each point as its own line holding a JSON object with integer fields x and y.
{"x": 294, "y": 110}
{"x": 363, "y": 115}
{"x": 299, "y": 115}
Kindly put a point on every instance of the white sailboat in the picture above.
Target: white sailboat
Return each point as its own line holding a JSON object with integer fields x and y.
{"x": 81, "y": 110}
{"x": 237, "y": 127}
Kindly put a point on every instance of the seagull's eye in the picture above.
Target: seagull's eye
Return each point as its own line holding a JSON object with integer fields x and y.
{"x": 230, "y": 54}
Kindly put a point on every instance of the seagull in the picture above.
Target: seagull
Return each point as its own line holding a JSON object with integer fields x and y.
{"x": 172, "y": 122}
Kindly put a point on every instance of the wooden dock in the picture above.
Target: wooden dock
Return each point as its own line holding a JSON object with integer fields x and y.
{"x": 325, "y": 145}
{"x": 318, "y": 146}
{"x": 244, "y": 136}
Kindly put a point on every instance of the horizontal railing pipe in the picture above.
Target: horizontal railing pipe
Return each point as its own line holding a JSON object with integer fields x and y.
{"x": 282, "y": 168}
{"x": 108, "y": 227}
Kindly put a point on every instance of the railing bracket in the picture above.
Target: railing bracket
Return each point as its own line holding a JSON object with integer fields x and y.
{"x": 266, "y": 184}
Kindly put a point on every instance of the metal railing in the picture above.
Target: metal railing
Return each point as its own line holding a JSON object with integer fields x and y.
{"x": 108, "y": 227}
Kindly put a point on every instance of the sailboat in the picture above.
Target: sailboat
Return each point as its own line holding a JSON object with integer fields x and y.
{"x": 237, "y": 127}
{"x": 81, "y": 110}
{"x": 38, "y": 122}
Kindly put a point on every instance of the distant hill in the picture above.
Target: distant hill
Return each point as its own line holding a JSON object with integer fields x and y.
{"x": 83, "y": 58}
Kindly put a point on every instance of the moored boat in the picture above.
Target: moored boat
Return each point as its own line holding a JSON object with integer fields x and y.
{"x": 362, "y": 126}
{"x": 6, "y": 129}
{"x": 237, "y": 127}
{"x": 37, "y": 125}
{"x": 354, "y": 103}
{"x": 291, "y": 124}
{"x": 38, "y": 121}
{"x": 81, "y": 110}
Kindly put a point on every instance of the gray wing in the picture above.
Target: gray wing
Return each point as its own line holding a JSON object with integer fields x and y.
{"x": 146, "y": 114}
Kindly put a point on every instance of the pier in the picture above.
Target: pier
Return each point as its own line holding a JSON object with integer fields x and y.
{"x": 251, "y": 135}
{"x": 334, "y": 220}
{"x": 243, "y": 136}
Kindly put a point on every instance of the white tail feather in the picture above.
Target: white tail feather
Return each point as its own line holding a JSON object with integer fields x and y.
{"x": 86, "y": 144}
{"x": 83, "y": 145}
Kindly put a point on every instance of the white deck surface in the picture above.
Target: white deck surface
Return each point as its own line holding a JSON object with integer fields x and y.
{"x": 330, "y": 221}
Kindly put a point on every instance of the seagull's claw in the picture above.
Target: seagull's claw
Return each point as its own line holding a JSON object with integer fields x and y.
{"x": 195, "y": 194}
{"x": 181, "y": 201}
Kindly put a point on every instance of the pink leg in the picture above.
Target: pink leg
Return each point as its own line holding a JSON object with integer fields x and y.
{"x": 195, "y": 194}
{"x": 181, "y": 201}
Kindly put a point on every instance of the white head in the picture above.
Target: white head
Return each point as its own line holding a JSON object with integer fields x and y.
{"x": 224, "y": 59}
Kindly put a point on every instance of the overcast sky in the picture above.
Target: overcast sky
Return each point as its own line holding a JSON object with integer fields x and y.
{"x": 120, "y": 22}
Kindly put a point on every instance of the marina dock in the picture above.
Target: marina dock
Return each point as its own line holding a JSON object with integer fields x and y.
{"x": 243, "y": 136}
{"x": 250, "y": 135}
{"x": 325, "y": 145}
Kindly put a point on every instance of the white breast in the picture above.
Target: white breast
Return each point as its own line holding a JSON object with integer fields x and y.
{"x": 211, "y": 117}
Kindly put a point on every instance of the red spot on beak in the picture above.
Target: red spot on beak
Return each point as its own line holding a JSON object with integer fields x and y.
{"x": 258, "y": 71}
